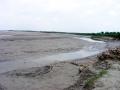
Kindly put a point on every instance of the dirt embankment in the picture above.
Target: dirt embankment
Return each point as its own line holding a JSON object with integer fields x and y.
{"x": 111, "y": 81}
{"x": 103, "y": 74}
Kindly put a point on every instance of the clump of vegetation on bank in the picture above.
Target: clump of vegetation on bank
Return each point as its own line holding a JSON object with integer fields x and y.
{"x": 91, "y": 81}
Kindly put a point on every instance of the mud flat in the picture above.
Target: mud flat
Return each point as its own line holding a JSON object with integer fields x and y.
{"x": 20, "y": 50}
{"x": 21, "y": 45}
{"x": 22, "y": 57}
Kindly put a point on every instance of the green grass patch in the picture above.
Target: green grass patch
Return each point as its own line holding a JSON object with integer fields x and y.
{"x": 90, "y": 81}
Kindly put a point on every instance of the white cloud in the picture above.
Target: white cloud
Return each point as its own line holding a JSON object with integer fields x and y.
{"x": 113, "y": 13}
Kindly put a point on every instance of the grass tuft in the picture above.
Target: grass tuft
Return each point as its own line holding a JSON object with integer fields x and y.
{"x": 90, "y": 81}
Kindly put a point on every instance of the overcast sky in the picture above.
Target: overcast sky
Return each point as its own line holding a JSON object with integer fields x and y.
{"x": 60, "y": 15}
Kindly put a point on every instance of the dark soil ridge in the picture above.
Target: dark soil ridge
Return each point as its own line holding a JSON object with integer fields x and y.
{"x": 33, "y": 72}
{"x": 2, "y": 87}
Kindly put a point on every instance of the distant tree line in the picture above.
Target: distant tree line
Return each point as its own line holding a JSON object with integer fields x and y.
{"x": 115, "y": 35}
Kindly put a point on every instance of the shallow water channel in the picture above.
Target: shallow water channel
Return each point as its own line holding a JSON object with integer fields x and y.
{"x": 95, "y": 48}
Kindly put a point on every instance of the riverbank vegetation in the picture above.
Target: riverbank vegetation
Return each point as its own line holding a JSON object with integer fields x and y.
{"x": 91, "y": 81}
{"x": 113, "y": 35}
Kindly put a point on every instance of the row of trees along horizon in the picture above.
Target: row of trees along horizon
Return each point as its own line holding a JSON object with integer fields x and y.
{"x": 115, "y": 35}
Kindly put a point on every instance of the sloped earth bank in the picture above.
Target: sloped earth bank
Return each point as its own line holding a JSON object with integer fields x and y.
{"x": 110, "y": 81}
{"x": 102, "y": 74}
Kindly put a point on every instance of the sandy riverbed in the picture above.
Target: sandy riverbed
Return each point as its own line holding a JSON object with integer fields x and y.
{"x": 16, "y": 46}
{"x": 30, "y": 45}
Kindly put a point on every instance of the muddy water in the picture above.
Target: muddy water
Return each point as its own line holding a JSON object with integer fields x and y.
{"x": 93, "y": 49}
